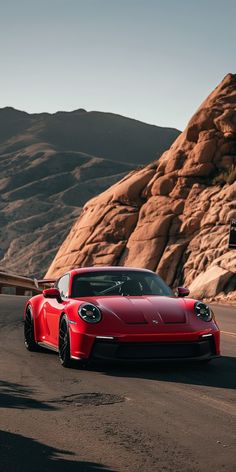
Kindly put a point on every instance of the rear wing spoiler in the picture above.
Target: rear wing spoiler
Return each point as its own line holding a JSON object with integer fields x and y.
{"x": 44, "y": 283}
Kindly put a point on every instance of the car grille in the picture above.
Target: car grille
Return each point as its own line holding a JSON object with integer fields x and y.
{"x": 132, "y": 351}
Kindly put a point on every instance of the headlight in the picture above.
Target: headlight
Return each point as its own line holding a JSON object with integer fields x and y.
{"x": 89, "y": 313}
{"x": 203, "y": 311}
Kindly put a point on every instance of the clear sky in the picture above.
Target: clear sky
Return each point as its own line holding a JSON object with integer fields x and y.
{"x": 153, "y": 60}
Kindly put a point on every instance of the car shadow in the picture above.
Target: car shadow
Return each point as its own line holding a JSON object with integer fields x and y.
{"x": 14, "y": 395}
{"x": 218, "y": 373}
{"x": 19, "y": 453}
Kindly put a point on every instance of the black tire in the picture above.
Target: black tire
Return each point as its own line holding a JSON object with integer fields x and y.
{"x": 29, "y": 338}
{"x": 64, "y": 343}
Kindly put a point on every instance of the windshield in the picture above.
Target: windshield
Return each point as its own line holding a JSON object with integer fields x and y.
{"x": 123, "y": 283}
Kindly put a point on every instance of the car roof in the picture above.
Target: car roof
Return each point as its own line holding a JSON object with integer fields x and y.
{"x": 83, "y": 270}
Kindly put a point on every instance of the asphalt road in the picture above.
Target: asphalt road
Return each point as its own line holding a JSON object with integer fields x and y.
{"x": 169, "y": 417}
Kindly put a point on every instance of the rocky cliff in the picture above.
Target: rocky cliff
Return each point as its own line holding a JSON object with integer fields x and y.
{"x": 173, "y": 215}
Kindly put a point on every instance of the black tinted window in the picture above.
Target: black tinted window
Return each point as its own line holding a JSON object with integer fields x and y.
{"x": 124, "y": 283}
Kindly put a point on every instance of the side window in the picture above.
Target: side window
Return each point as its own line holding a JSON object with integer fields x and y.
{"x": 63, "y": 285}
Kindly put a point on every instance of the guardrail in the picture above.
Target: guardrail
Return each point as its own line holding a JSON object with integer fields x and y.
{"x": 18, "y": 285}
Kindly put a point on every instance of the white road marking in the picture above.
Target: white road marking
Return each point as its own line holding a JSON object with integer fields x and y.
{"x": 229, "y": 333}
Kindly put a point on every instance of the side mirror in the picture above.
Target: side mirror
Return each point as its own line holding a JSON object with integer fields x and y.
{"x": 52, "y": 293}
{"x": 182, "y": 292}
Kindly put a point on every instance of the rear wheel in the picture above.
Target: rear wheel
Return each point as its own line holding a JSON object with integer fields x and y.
{"x": 64, "y": 343}
{"x": 29, "y": 338}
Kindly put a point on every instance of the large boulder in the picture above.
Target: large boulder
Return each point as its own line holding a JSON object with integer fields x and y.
{"x": 174, "y": 215}
{"x": 210, "y": 283}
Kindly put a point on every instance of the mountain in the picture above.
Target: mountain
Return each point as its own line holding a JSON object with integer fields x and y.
{"x": 50, "y": 165}
{"x": 173, "y": 215}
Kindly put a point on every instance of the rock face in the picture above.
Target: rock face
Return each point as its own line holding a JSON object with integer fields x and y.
{"x": 173, "y": 215}
{"x": 50, "y": 165}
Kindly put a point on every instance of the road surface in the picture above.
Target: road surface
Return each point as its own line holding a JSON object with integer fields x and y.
{"x": 114, "y": 417}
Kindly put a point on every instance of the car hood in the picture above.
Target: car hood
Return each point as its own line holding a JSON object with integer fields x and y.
{"x": 145, "y": 309}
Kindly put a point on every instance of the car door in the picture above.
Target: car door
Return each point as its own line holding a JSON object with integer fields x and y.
{"x": 53, "y": 309}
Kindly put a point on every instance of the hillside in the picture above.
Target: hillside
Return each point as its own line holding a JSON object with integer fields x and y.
{"x": 173, "y": 215}
{"x": 50, "y": 165}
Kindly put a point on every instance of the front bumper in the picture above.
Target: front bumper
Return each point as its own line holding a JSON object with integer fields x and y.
{"x": 188, "y": 345}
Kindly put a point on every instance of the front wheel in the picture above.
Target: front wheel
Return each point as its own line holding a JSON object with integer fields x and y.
{"x": 29, "y": 338}
{"x": 64, "y": 343}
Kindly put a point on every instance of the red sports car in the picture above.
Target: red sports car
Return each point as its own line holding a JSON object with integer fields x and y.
{"x": 119, "y": 313}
